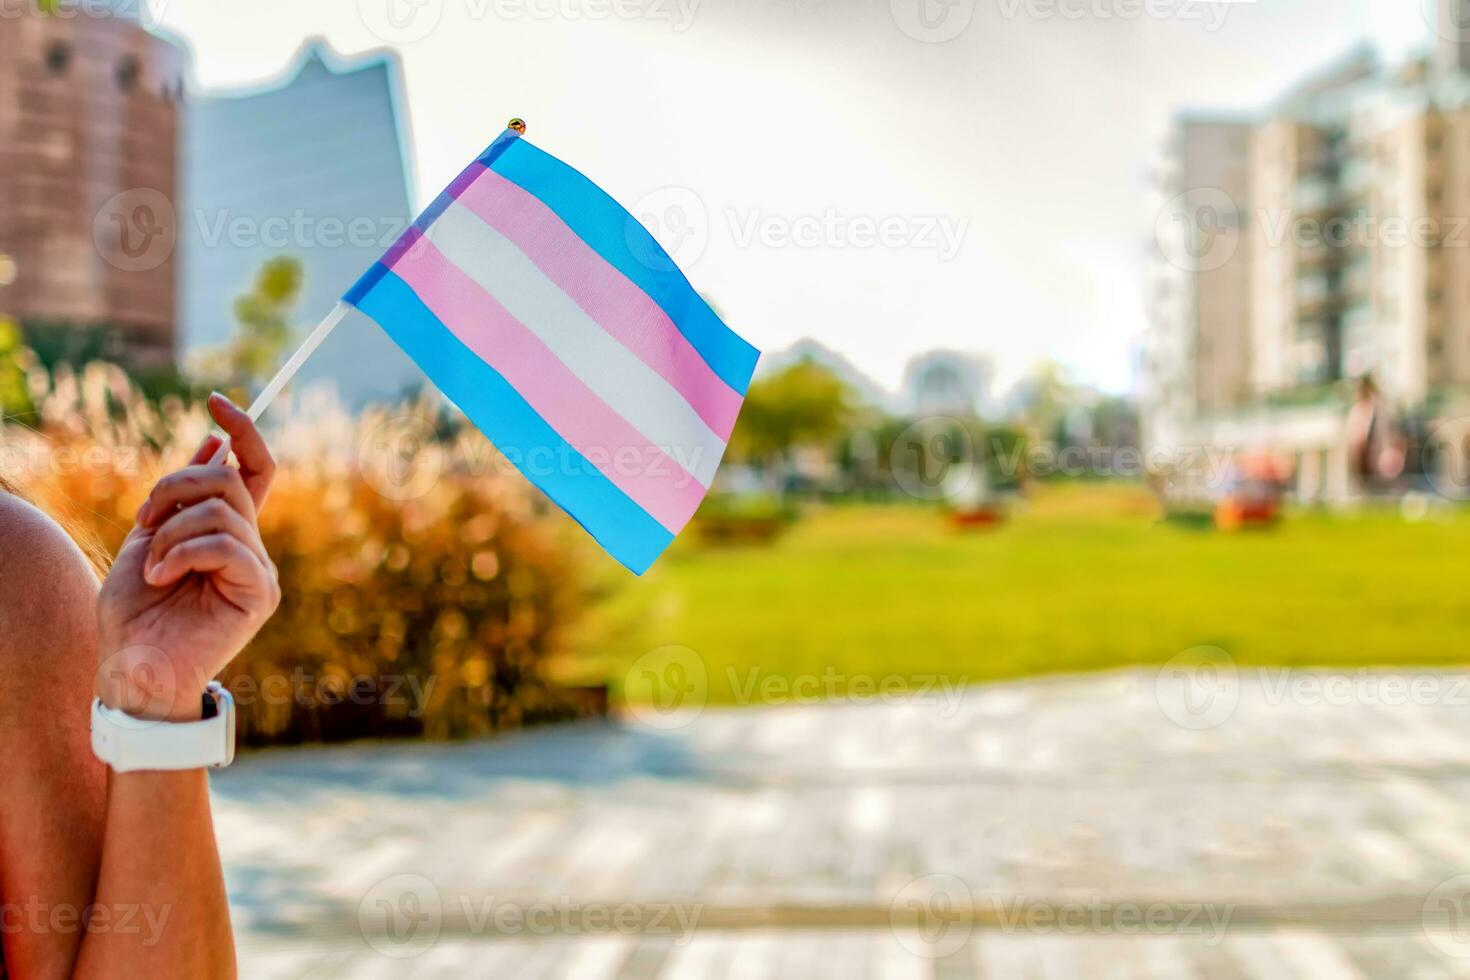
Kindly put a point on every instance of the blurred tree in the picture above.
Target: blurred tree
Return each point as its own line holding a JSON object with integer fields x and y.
{"x": 15, "y": 395}
{"x": 1043, "y": 400}
{"x": 263, "y": 326}
{"x": 263, "y": 317}
{"x": 1004, "y": 453}
{"x": 58, "y": 342}
{"x": 1115, "y": 423}
{"x": 801, "y": 406}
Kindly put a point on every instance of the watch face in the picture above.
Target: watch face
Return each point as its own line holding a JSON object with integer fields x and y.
{"x": 229, "y": 736}
{"x": 225, "y": 705}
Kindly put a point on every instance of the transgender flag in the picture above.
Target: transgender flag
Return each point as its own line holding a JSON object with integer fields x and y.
{"x": 552, "y": 318}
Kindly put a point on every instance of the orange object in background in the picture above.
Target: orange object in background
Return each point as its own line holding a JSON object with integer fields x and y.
{"x": 976, "y": 517}
{"x": 1234, "y": 513}
{"x": 1255, "y": 499}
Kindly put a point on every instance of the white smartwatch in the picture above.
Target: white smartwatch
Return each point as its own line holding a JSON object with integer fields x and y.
{"x": 131, "y": 744}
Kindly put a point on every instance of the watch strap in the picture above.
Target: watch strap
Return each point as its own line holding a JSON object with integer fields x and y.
{"x": 131, "y": 744}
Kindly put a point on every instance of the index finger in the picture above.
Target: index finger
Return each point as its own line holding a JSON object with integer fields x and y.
{"x": 257, "y": 465}
{"x": 206, "y": 449}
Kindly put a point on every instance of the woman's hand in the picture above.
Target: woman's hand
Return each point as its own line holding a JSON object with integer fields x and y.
{"x": 192, "y": 583}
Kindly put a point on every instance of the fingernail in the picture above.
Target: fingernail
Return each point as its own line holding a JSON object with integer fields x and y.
{"x": 142, "y": 517}
{"x": 150, "y": 574}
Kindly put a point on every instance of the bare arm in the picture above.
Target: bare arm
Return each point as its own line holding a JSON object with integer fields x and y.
{"x": 190, "y": 587}
{"x": 160, "y": 886}
{"x": 53, "y": 796}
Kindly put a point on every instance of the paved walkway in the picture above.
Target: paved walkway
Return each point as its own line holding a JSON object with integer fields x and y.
{"x": 1143, "y": 824}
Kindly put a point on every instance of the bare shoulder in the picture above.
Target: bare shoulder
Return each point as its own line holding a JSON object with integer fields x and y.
{"x": 47, "y": 599}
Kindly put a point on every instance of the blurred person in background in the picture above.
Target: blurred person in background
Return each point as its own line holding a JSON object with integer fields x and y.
{"x": 1374, "y": 442}
{"x": 107, "y": 873}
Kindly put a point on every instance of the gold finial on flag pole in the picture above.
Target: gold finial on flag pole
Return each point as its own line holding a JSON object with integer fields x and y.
{"x": 518, "y": 124}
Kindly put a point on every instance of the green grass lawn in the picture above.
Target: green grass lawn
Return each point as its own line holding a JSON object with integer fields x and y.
{"x": 1083, "y": 578}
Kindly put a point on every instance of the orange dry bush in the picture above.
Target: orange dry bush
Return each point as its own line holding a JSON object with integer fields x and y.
{"x": 425, "y": 586}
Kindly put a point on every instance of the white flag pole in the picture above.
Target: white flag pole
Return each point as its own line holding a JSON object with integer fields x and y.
{"x": 286, "y": 373}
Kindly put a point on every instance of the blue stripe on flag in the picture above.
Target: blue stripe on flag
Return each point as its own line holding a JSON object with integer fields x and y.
{"x": 627, "y": 246}
{"x": 499, "y": 146}
{"x": 622, "y": 527}
{"x": 365, "y": 283}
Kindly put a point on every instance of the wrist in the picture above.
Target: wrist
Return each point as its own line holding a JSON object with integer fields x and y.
{"x": 146, "y": 689}
{"x": 176, "y": 711}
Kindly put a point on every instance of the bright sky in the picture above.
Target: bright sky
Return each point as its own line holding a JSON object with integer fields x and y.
{"x": 836, "y": 168}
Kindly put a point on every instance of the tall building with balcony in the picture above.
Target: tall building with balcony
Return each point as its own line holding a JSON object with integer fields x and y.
{"x": 1352, "y": 256}
{"x": 90, "y": 107}
{"x": 1349, "y": 235}
{"x": 1300, "y": 222}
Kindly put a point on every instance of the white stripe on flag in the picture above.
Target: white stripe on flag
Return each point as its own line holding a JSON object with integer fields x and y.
{"x": 615, "y": 374}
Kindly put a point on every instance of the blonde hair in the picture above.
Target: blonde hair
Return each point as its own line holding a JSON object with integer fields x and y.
{"x": 95, "y": 554}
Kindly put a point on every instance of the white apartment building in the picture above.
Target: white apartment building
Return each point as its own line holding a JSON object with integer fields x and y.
{"x": 1321, "y": 240}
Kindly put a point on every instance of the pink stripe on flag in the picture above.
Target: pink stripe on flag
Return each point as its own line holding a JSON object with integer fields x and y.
{"x": 608, "y": 297}
{"x": 654, "y": 481}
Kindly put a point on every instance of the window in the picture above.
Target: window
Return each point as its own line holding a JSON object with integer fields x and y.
{"x": 126, "y": 73}
{"x": 58, "y": 58}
